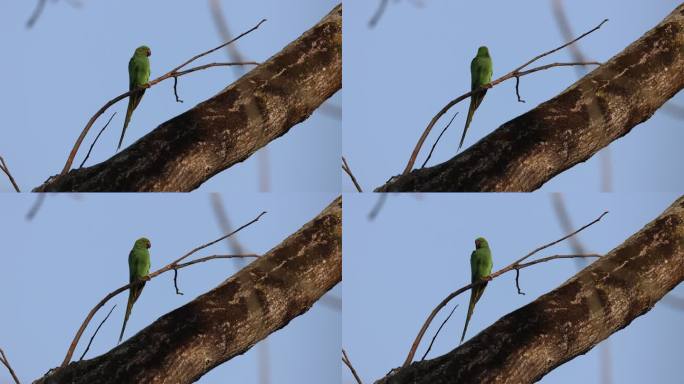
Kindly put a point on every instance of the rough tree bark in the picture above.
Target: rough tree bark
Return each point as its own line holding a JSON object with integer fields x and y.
{"x": 529, "y": 150}
{"x": 528, "y": 343}
{"x": 263, "y": 105}
{"x": 263, "y": 297}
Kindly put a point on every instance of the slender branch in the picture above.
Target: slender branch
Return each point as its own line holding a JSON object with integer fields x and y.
{"x": 437, "y": 141}
{"x": 346, "y": 169}
{"x": 172, "y": 73}
{"x": 378, "y": 13}
{"x": 95, "y": 141}
{"x": 95, "y": 333}
{"x": 201, "y": 260}
{"x": 6, "y": 363}
{"x": 347, "y": 362}
{"x": 6, "y": 171}
{"x": 40, "y": 6}
{"x": 33, "y": 211}
{"x": 378, "y": 206}
{"x": 516, "y": 73}
{"x": 516, "y": 265}
{"x": 178, "y": 74}
{"x": 437, "y": 333}
{"x": 171, "y": 266}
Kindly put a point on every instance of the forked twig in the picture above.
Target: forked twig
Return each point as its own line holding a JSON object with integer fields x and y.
{"x": 516, "y": 73}
{"x": 175, "y": 72}
{"x": 516, "y": 265}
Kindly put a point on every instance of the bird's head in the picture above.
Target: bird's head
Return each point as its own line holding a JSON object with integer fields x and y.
{"x": 481, "y": 242}
{"x": 483, "y": 51}
{"x": 143, "y": 50}
{"x": 143, "y": 242}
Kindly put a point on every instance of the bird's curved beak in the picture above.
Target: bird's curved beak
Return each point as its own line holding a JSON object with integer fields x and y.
{"x": 149, "y": 52}
{"x": 149, "y": 245}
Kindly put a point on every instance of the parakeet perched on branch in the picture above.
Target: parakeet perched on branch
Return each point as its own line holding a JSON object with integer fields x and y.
{"x": 139, "y": 267}
{"x": 480, "y": 74}
{"x": 138, "y": 76}
{"x": 480, "y": 267}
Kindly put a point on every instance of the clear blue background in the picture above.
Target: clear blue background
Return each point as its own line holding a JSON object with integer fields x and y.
{"x": 398, "y": 267}
{"x": 398, "y": 75}
{"x": 54, "y": 269}
{"x": 60, "y": 72}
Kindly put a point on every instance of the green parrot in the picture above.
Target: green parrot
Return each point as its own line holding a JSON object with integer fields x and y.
{"x": 481, "y": 267}
{"x": 480, "y": 74}
{"x": 139, "y": 267}
{"x": 138, "y": 76}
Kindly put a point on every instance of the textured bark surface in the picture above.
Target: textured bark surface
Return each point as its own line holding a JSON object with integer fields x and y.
{"x": 526, "y": 344}
{"x": 225, "y": 322}
{"x": 603, "y": 106}
{"x": 263, "y": 105}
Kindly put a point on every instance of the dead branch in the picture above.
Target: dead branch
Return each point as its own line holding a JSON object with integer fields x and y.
{"x": 90, "y": 342}
{"x": 517, "y": 73}
{"x": 6, "y": 363}
{"x": 347, "y": 170}
{"x": 174, "y": 265}
{"x": 187, "y": 150}
{"x": 5, "y": 169}
{"x": 529, "y": 150}
{"x": 516, "y": 265}
{"x": 347, "y": 362}
{"x": 526, "y": 344}
{"x": 174, "y": 73}
{"x": 218, "y": 325}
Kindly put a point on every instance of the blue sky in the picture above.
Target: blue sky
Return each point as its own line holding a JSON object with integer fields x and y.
{"x": 398, "y": 267}
{"x": 58, "y": 266}
{"x": 75, "y": 60}
{"x": 399, "y": 74}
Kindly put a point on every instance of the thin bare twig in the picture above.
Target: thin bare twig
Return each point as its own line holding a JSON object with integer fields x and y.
{"x": 202, "y": 260}
{"x": 513, "y": 266}
{"x": 173, "y": 265}
{"x": 347, "y": 362}
{"x": 6, "y": 363}
{"x": 437, "y": 333}
{"x": 437, "y": 141}
{"x": 516, "y": 73}
{"x": 175, "y": 72}
{"x": 33, "y": 211}
{"x": 376, "y": 16}
{"x": 40, "y": 6}
{"x": 95, "y": 141}
{"x": 348, "y": 171}
{"x": 377, "y": 207}
{"x": 95, "y": 333}
{"x": 6, "y": 171}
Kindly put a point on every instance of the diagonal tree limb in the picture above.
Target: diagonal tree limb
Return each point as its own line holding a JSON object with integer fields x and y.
{"x": 529, "y": 150}
{"x": 188, "y": 342}
{"x": 526, "y": 344}
{"x": 187, "y": 150}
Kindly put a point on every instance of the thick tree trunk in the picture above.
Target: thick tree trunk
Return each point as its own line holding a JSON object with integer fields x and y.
{"x": 603, "y": 106}
{"x": 263, "y": 297}
{"x": 526, "y": 344}
{"x": 263, "y": 105}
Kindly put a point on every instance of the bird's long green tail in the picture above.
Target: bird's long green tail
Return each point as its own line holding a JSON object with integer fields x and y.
{"x": 133, "y": 295}
{"x": 475, "y": 295}
{"x": 133, "y": 101}
{"x": 475, "y": 101}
